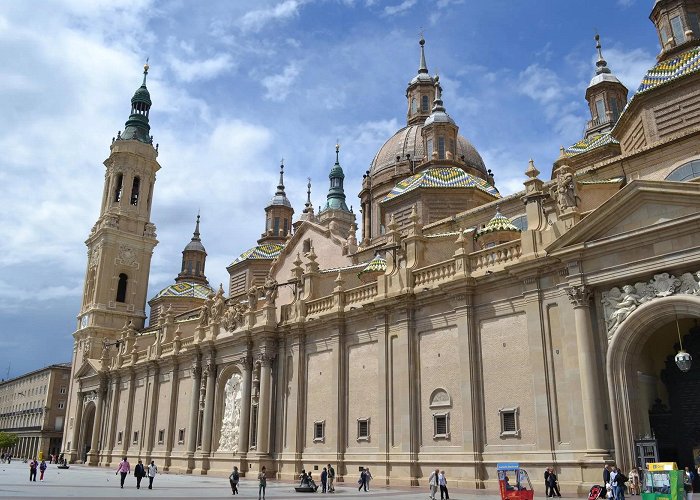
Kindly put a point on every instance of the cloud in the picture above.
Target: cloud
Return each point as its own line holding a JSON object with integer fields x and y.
{"x": 629, "y": 66}
{"x": 278, "y": 86}
{"x": 204, "y": 69}
{"x": 390, "y": 10}
{"x": 256, "y": 20}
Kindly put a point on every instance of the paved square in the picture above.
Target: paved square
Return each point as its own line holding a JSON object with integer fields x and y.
{"x": 93, "y": 482}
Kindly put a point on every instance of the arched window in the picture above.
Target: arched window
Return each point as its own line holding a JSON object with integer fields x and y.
{"x": 121, "y": 287}
{"x": 424, "y": 107}
{"x": 686, "y": 172}
{"x": 118, "y": 188}
{"x": 135, "y": 186}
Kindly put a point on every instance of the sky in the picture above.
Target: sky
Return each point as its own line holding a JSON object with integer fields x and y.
{"x": 236, "y": 87}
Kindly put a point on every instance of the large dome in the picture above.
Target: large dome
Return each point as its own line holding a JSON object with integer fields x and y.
{"x": 408, "y": 140}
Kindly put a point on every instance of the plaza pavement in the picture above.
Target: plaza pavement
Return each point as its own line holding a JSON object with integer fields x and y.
{"x": 98, "y": 482}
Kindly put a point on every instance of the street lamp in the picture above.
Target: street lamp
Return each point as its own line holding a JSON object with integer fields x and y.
{"x": 683, "y": 358}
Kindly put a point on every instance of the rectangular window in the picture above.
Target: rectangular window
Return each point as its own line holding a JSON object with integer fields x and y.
{"x": 136, "y": 437}
{"x": 61, "y": 405}
{"x": 276, "y": 228}
{"x": 161, "y": 436}
{"x": 363, "y": 429}
{"x": 120, "y": 436}
{"x": 430, "y": 149}
{"x": 181, "y": 436}
{"x": 424, "y": 104}
{"x": 254, "y": 426}
{"x": 441, "y": 148}
{"x": 677, "y": 28}
{"x": 664, "y": 36}
{"x": 319, "y": 431}
{"x": 694, "y": 23}
{"x": 613, "y": 107}
{"x": 58, "y": 424}
{"x": 600, "y": 110}
{"x": 286, "y": 227}
{"x": 510, "y": 425}
{"x": 441, "y": 425}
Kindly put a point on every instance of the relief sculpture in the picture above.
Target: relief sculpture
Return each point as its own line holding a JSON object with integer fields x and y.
{"x": 231, "y": 421}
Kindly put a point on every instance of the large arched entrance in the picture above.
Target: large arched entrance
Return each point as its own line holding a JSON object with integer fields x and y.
{"x": 649, "y": 395}
{"x": 86, "y": 430}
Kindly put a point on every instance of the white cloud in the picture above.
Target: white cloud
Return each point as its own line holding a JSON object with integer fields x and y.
{"x": 205, "y": 69}
{"x": 629, "y": 66}
{"x": 390, "y": 10}
{"x": 256, "y": 20}
{"x": 278, "y": 86}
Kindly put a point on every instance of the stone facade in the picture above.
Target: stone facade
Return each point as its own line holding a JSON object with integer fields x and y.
{"x": 508, "y": 330}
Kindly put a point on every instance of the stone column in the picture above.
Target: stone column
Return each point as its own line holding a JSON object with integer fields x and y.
{"x": 97, "y": 423}
{"x": 116, "y": 382}
{"x": 76, "y": 429}
{"x": 580, "y": 296}
{"x": 244, "y": 430}
{"x": 209, "y": 408}
{"x": 264, "y": 404}
{"x": 196, "y": 376}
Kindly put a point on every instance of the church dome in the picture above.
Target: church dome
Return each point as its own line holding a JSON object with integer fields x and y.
{"x": 185, "y": 289}
{"x": 409, "y": 141}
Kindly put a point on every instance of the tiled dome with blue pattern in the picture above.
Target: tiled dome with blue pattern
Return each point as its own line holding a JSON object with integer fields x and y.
{"x": 185, "y": 289}
{"x": 266, "y": 251}
{"x": 441, "y": 177}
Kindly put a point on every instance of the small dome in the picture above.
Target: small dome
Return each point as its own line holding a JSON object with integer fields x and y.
{"x": 266, "y": 251}
{"x": 142, "y": 95}
{"x": 440, "y": 177}
{"x": 439, "y": 117}
{"x": 408, "y": 140}
{"x": 603, "y": 77}
{"x": 195, "y": 245}
{"x": 422, "y": 78}
{"x": 185, "y": 289}
{"x": 499, "y": 223}
{"x": 280, "y": 199}
{"x": 374, "y": 268}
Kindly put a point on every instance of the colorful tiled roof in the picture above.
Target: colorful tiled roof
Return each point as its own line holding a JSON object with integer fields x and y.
{"x": 499, "y": 223}
{"x": 441, "y": 177}
{"x": 266, "y": 251}
{"x": 590, "y": 143}
{"x": 376, "y": 266}
{"x": 185, "y": 289}
{"x": 671, "y": 69}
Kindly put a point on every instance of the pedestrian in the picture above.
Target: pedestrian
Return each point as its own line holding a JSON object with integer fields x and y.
{"x": 324, "y": 479}
{"x": 331, "y": 478}
{"x": 363, "y": 480}
{"x": 233, "y": 480}
{"x": 33, "y": 464}
{"x": 442, "y": 481}
{"x": 433, "y": 483}
{"x": 262, "y": 483}
{"x": 152, "y": 471}
{"x": 634, "y": 485}
{"x": 553, "y": 482}
{"x": 368, "y": 477}
{"x": 617, "y": 480}
{"x": 123, "y": 469}
{"x": 140, "y": 473}
{"x": 42, "y": 468}
{"x": 547, "y": 491}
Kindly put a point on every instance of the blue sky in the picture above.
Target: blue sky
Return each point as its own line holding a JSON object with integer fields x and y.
{"x": 238, "y": 85}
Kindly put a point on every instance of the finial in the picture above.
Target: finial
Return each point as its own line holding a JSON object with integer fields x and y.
{"x": 196, "y": 228}
{"x": 337, "y": 151}
{"x": 531, "y": 171}
{"x": 146, "y": 67}
{"x": 423, "y": 68}
{"x": 308, "y": 191}
{"x": 601, "y": 63}
{"x": 280, "y": 186}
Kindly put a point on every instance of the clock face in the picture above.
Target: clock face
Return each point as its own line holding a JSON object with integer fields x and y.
{"x": 84, "y": 321}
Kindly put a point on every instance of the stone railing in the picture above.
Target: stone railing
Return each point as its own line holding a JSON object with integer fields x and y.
{"x": 495, "y": 256}
{"x": 166, "y": 347}
{"x": 187, "y": 342}
{"x": 360, "y": 294}
{"x": 319, "y": 306}
{"x": 434, "y": 273}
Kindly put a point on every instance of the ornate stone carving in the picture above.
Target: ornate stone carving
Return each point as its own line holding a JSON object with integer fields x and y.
{"x": 618, "y": 304}
{"x": 217, "y": 305}
{"x": 127, "y": 255}
{"x": 265, "y": 359}
{"x": 149, "y": 230}
{"x": 270, "y": 291}
{"x": 234, "y": 316}
{"x": 94, "y": 257}
{"x": 564, "y": 192}
{"x": 579, "y": 295}
{"x": 205, "y": 311}
{"x": 231, "y": 421}
{"x": 196, "y": 369}
{"x": 111, "y": 221}
{"x": 253, "y": 297}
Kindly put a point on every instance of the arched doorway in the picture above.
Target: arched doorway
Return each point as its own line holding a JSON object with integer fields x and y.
{"x": 642, "y": 376}
{"x": 86, "y": 430}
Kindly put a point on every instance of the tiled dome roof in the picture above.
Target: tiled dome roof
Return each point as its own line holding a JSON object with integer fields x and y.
{"x": 499, "y": 223}
{"x": 185, "y": 289}
{"x": 374, "y": 267}
{"x": 266, "y": 251}
{"x": 441, "y": 177}
{"x": 408, "y": 140}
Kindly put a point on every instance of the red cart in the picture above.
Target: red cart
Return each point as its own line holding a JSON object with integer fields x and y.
{"x": 514, "y": 482}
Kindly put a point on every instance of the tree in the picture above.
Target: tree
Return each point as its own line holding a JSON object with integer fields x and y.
{"x": 8, "y": 440}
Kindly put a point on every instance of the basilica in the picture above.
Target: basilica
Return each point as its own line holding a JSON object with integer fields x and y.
{"x": 443, "y": 324}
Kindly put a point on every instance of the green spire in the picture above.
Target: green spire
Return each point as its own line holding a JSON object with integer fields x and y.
{"x": 336, "y": 194}
{"x": 137, "y": 126}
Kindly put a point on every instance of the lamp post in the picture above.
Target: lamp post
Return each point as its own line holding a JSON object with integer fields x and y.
{"x": 683, "y": 359}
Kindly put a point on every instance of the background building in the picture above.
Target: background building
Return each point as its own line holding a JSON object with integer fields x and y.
{"x": 33, "y": 406}
{"x": 461, "y": 329}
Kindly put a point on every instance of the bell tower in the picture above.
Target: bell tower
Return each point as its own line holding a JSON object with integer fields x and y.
{"x": 121, "y": 242}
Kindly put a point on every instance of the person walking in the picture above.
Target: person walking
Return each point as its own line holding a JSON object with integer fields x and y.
{"x": 42, "y": 469}
{"x": 363, "y": 480}
{"x": 139, "y": 473}
{"x": 262, "y": 483}
{"x": 553, "y": 482}
{"x": 617, "y": 481}
{"x": 433, "y": 483}
{"x": 123, "y": 469}
{"x": 233, "y": 480}
{"x": 442, "y": 481}
{"x": 33, "y": 464}
{"x": 331, "y": 478}
{"x": 152, "y": 471}
{"x": 547, "y": 491}
{"x": 324, "y": 479}
{"x": 368, "y": 477}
